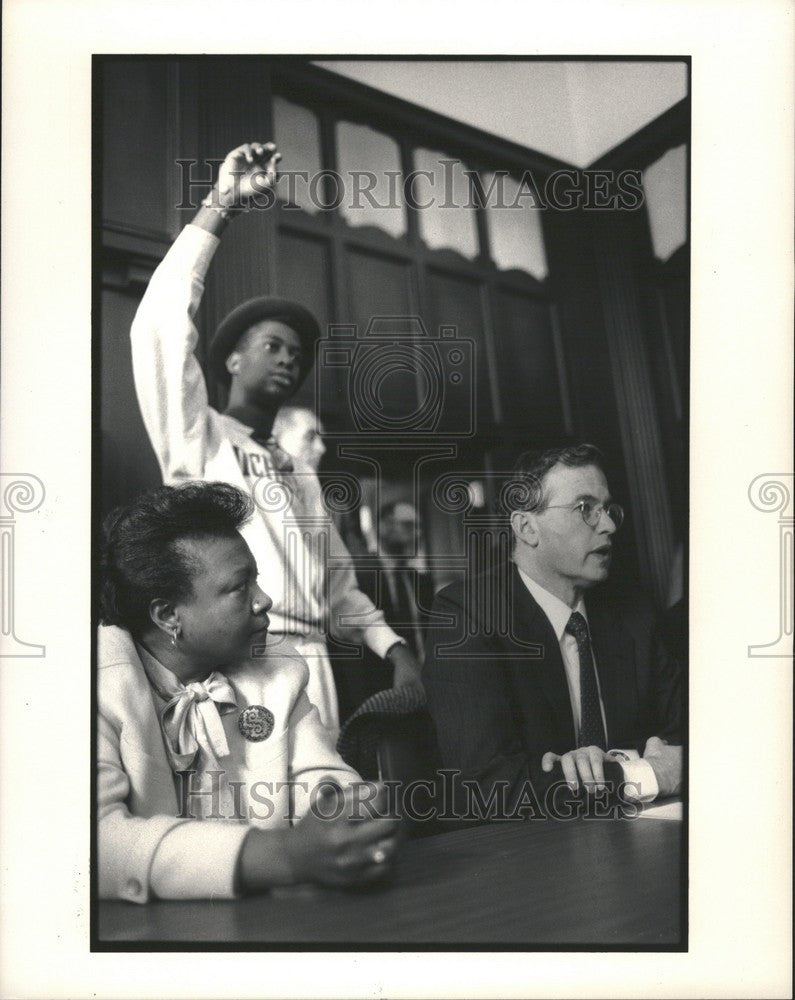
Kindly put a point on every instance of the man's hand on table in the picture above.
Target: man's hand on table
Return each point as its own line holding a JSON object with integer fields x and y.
{"x": 583, "y": 765}
{"x": 666, "y": 762}
{"x": 586, "y": 766}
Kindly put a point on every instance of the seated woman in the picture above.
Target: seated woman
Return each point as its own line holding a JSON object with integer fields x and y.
{"x": 215, "y": 775}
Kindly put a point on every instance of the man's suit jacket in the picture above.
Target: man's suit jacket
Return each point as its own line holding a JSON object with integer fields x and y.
{"x": 499, "y": 698}
{"x": 137, "y": 802}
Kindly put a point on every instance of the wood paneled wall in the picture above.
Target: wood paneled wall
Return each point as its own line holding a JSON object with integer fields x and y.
{"x": 580, "y": 354}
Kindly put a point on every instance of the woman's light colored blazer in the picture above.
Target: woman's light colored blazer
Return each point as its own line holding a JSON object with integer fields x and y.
{"x": 143, "y": 843}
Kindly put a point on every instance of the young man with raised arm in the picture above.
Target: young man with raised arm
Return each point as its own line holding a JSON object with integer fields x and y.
{"x": 263, "y": 349}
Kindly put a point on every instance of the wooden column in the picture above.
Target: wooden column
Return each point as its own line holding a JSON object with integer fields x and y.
{"x": 616, "y": 254}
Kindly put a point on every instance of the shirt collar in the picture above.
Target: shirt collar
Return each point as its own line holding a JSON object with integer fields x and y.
{"x": 161, "y": 678}
{"x": 190, "y": 719}
{"x": 557, "y": 611}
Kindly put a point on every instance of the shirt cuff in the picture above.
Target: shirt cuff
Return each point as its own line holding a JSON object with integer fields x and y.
{"x": 380, "y": 638}
{"x": 640, "y": 781}
{"x": 197, "y": 860}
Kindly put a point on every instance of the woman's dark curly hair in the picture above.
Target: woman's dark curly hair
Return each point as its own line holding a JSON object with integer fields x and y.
{"x": 141, "y": 555}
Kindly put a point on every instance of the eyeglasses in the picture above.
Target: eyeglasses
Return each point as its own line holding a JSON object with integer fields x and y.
{"x": 592, "y": 512}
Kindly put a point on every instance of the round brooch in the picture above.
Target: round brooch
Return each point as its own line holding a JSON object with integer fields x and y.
{"x": 255, "y": 723}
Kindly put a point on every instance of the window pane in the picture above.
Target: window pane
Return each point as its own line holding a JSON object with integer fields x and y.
{"x": 515, "y": 236}
{"x": 665, "y": 185}
{"x": 444, "y": 200}
{"x": 297, "y": 135}
{"x": 134, "y": 181}
{"x": 369, "y": 163}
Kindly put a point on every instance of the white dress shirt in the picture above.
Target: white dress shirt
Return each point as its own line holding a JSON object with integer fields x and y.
{"x": 637, "y": 772}
{"x": 558, "y": 614}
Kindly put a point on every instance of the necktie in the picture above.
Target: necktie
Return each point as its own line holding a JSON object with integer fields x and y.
{"x": 192, "y": 718}
{"x": 592, "y": 731}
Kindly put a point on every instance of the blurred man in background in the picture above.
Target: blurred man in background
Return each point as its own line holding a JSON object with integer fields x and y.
{"x": 300, "y": 433}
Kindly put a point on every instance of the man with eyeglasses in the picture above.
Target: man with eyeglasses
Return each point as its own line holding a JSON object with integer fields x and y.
{"x": 531, "y": 683}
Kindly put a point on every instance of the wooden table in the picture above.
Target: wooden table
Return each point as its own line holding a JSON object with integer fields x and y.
{"x": 583, "y": 882}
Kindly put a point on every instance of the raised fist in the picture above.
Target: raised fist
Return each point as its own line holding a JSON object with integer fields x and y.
{"x": 247, "y": 174}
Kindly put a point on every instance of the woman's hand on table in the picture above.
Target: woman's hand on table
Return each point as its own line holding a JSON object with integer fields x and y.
{"x": 346, "y": 838}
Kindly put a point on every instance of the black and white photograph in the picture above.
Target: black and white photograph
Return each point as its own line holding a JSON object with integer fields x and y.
{"x": 392, "y": 397}
{"x": 427, "y": 521}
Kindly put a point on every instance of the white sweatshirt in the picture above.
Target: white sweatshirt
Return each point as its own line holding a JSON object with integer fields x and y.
{"x": 303, "y": 563}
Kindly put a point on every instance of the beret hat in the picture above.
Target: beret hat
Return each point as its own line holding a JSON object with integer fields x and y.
{"x": 252, "y": 311}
